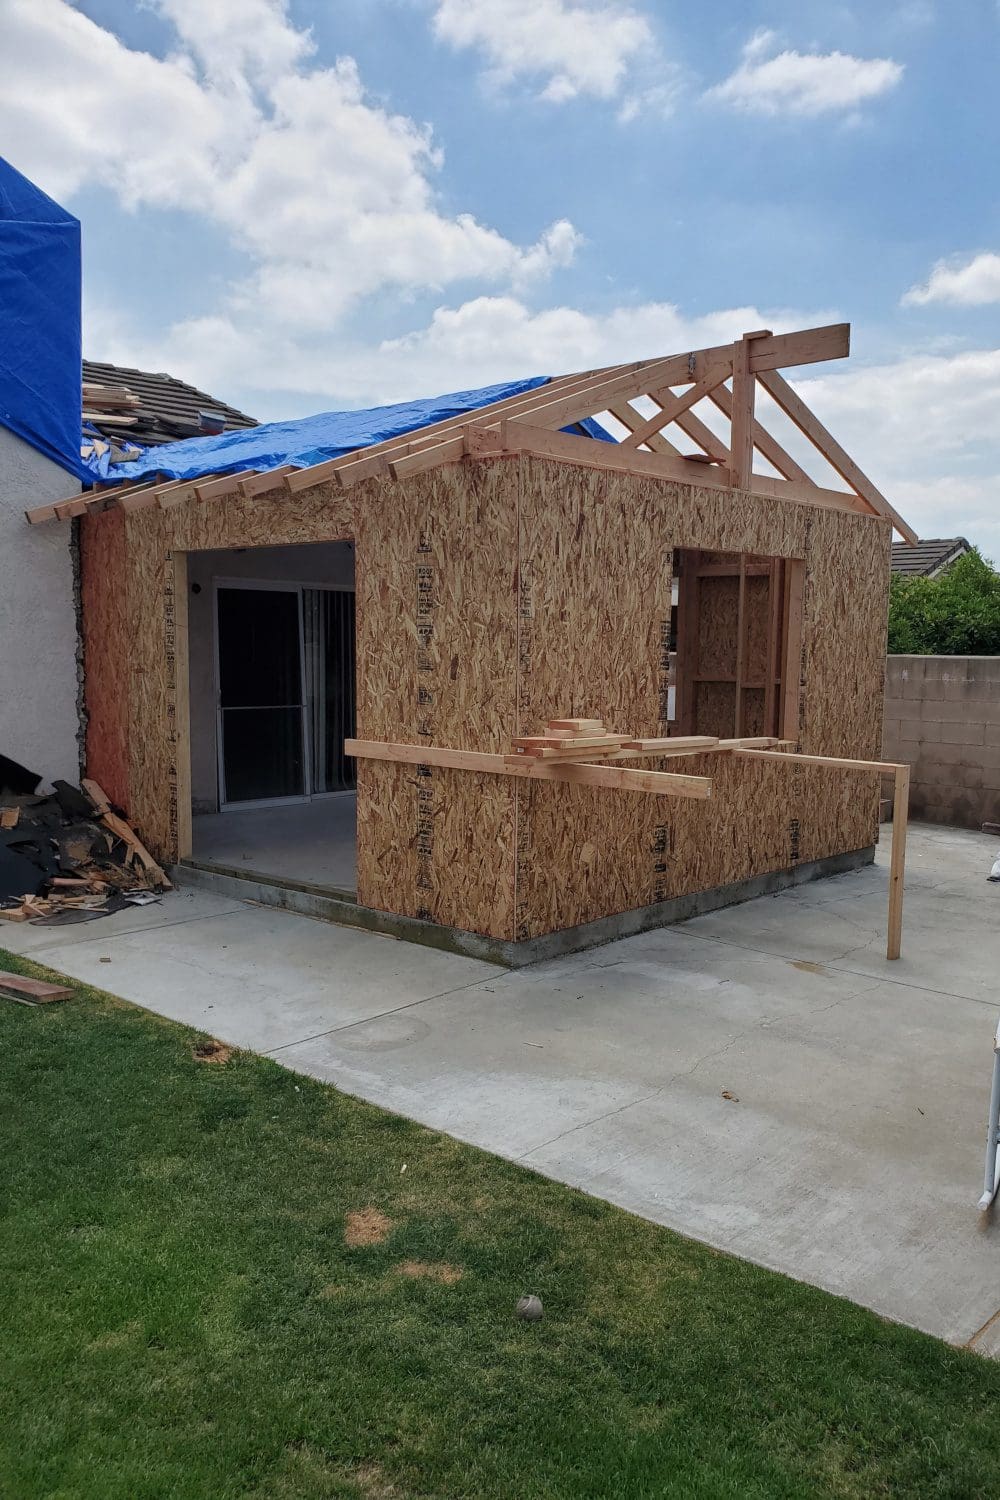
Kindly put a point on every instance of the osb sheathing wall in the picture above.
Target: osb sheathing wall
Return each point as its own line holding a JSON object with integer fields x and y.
{"x": 491, "y": 597}
{"x": 104, "y": 624}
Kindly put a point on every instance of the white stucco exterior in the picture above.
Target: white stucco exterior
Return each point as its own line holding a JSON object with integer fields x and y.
{"x": 39, "y": 719}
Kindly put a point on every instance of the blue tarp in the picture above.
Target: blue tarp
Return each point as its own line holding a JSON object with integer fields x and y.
{"x": 310, "y": 440}
{"x": 40, "y": 369}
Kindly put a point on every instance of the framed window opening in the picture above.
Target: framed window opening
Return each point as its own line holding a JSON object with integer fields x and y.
{"x": 737, "y": 644}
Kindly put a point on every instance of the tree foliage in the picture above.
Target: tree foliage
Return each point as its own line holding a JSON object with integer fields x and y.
{"x": 957, "y": 614}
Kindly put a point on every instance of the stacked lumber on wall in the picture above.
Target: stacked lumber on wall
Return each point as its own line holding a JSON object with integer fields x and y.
{"x": 570, "y": 740}
{"x": 109, "y": 405}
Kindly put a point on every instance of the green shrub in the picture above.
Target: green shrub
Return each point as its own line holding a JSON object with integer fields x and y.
{"x": 957, "y": 614}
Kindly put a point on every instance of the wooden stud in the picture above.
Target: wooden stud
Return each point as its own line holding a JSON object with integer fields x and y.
{"x": 767, "y": 446}
{"x": 714, "y": 447}
{"x": 741, "y": 440}
{"x": 658, "y": 783}
{"x": 897, "y": 858}
{"x": 773, "y": 667}
{"x": 671, "y": 407}
{"x": 261, "y": 484}
{"x": 182, "y": 708}
{"x": 741, "y": 642}
{"x": 791, "y": 673}
{"x": 216, "y": 489}
{"x": 630, "y": 419}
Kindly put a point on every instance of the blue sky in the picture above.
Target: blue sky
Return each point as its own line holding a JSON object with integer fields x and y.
{"x": 336, "y": 202}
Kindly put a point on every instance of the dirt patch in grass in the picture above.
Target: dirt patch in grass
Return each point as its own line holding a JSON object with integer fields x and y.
{"x": 373, "y": 1485}
{"x": 366, "y": 1226}
{"x": 447, "y": 1275}
{"x": 212, "y": 1051}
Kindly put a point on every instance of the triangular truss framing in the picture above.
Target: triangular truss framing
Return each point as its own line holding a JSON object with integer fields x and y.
{"x": 724, "y": 379}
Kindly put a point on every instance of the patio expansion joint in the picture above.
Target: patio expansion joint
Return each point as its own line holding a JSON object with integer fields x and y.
{"x": 834, "y": 965}
{"x": 763, "y": 1024}
{"x": 393, "y": 1010}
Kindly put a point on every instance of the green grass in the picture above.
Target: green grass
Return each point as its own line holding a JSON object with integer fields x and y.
{"x": 180, "y": 1314}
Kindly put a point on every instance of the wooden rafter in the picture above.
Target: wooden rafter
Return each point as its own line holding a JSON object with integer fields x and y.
{"x": 534, "y": 421}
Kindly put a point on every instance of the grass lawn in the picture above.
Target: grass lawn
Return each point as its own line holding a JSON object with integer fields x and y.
{"x": 219, "y": 1280}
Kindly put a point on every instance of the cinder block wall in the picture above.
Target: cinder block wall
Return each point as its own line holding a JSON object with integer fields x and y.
{"x": 942, "y": 715}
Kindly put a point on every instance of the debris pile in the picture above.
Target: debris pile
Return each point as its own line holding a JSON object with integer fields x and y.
{"x": 68, "y": 856}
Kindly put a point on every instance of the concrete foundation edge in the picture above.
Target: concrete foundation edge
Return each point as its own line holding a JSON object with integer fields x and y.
{"x": 310, "y": 901}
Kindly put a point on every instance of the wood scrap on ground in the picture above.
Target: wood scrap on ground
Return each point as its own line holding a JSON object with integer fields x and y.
{"x": 69, "y": 856}
{"x": 31, "y": 991}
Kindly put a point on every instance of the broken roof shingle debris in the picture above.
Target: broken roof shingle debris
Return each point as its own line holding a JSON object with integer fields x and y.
{"x": 67, "y": 856}
{"x": 127, "y": 410}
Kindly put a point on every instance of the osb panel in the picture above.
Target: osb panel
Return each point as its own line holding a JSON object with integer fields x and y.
{"x": 106, "y": 644}
{"x": 715, "y": 708}
{"x": 436, "y": 651}
{"x": 756, "y": 621}
{"x": 718, "y": 607}
{"x": 437, "y": 656}
{"x": 490, "y": 598}
{"x": 583, "y": 855}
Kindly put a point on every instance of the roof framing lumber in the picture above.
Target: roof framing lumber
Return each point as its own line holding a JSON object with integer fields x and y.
{"x": 535, "y": 421}
{"x": 671, "y": 407}
{"x": 767, "y": 446}
{"x": 807, "y": 422}
{"x": 540, "y": 441}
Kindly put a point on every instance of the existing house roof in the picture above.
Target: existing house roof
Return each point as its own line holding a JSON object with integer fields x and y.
{"x": 558, "y": 418}
{"x": 928, "y": 557}
{"x": 162, "y": 409}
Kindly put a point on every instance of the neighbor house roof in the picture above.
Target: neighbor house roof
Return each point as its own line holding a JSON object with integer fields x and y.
{"x": 146, "y": 409}
{"x": 928, "y": 557}
{"x": 558, "y": 418}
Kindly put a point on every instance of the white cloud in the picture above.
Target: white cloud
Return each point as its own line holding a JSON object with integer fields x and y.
{"x": 483, "y": 340}
{"x": 972, "y": 284}
{"x": 924, "y": 429}
{"x": 568, "y": 48}
{"x": 331, "y": 195}
{"x": 797, "y": 83}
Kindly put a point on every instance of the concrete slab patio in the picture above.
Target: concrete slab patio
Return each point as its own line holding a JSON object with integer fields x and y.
{"x": 760, "y": 1078}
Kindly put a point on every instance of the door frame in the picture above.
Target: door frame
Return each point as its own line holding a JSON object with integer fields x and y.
{"x": 272, "y": 585}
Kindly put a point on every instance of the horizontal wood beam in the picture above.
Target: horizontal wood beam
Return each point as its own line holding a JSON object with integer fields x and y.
{"x": 563, "y": 445}
{"x": 615, "y": 778}
{"x": 767, "y": 353}
{"x": 835, "y": 762}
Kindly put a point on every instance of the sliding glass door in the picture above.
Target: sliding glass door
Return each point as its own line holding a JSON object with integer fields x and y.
{"x": 286, "y": 694}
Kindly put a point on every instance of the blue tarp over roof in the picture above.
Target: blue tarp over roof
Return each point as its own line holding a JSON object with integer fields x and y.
{"x": 310, "y": 440}
{"x": 40, "y": 369}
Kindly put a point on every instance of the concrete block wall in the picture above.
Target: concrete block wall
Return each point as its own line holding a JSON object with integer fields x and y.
{"x": 942, "y": 716}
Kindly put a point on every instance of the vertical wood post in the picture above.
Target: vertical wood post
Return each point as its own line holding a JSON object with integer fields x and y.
{"x": 740, "y": 646}
{"x": 897, "y": 859}
{"x": 181, "y": 748}
{"x": 791, "y": 686}
{"x": 741, "y": 437}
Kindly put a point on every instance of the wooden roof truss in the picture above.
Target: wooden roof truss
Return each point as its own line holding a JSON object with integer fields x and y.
{"x": 665, "y": 437}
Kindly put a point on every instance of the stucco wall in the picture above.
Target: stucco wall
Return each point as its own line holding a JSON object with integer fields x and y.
{"x": 942, "y": 716}
{"x": 39, "y": 721}
{"x": 320, "y": 562}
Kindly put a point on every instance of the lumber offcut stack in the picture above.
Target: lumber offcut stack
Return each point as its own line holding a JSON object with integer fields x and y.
{"x": 571, "y": 740}
{"x": 68, "y": 856}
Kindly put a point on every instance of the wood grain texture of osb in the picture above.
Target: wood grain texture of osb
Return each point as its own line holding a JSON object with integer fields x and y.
{"x": 106, "y": 630}
{"x": 490, "y": 598}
